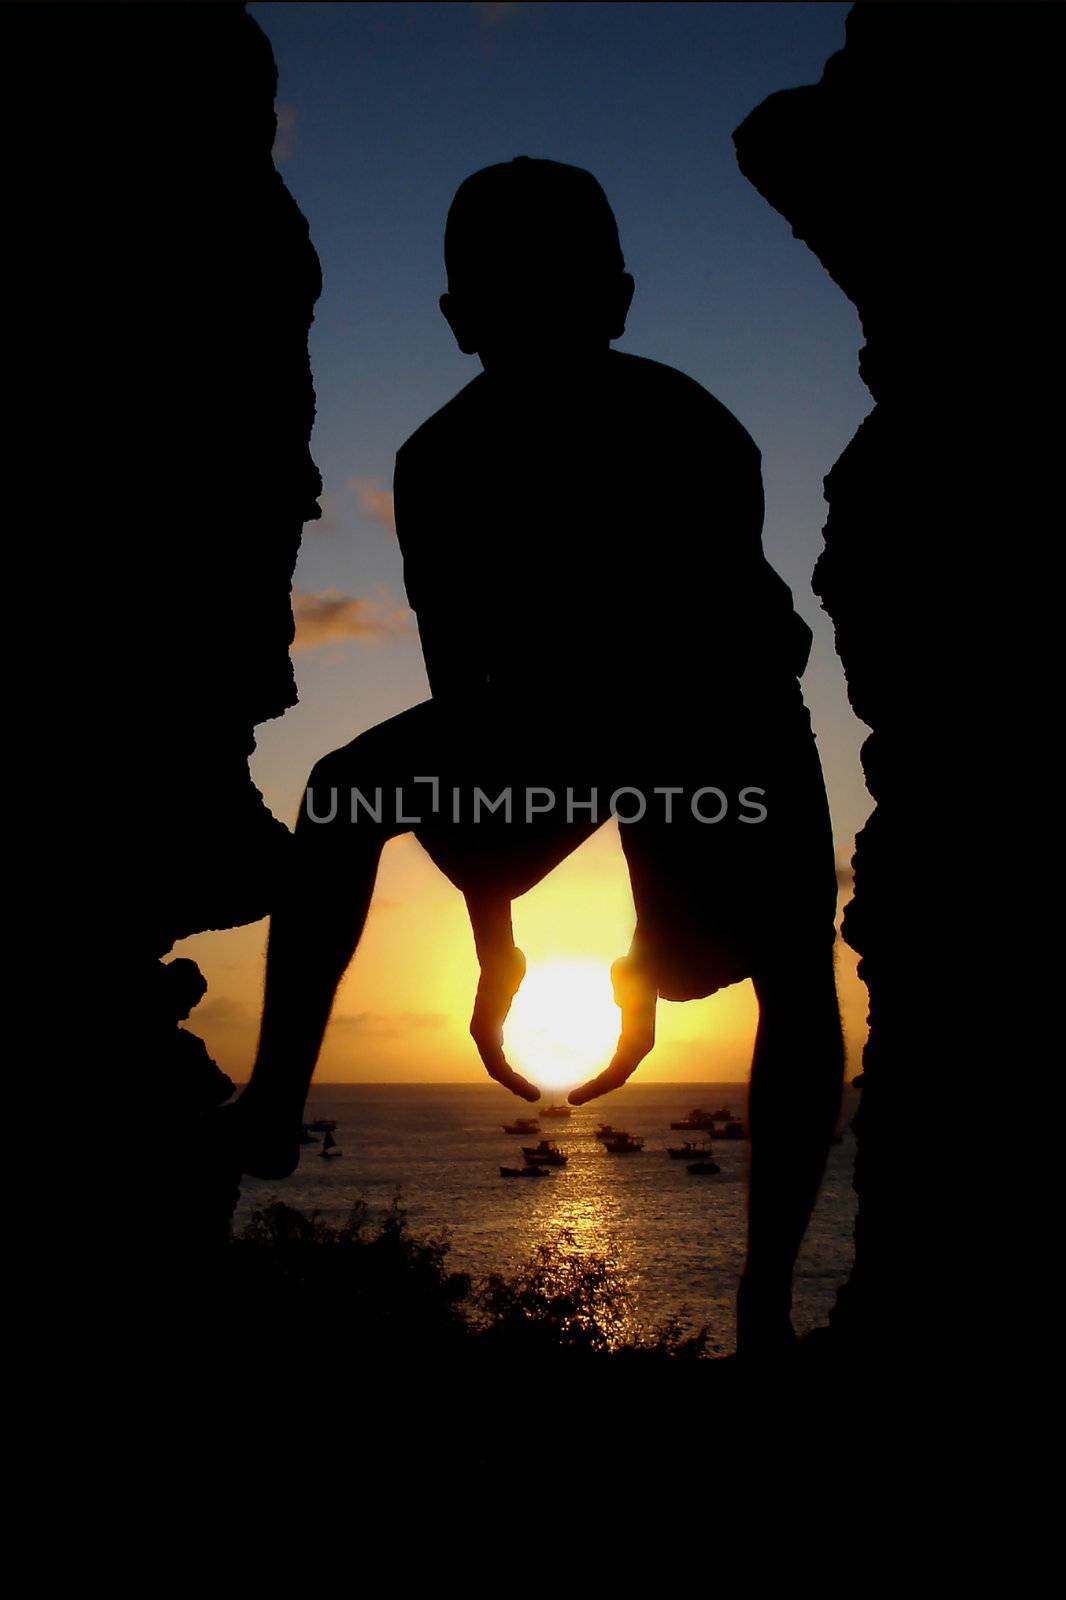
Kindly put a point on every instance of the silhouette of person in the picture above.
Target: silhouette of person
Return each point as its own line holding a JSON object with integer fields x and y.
{"x": 581, "y": 536}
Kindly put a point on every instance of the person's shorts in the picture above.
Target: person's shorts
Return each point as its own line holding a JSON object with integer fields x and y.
{"x": 742, "y": 880}
{"x": 732, "y": 873}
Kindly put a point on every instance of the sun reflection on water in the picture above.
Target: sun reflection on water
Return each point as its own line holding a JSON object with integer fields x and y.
{"x": 578, "y": 1230}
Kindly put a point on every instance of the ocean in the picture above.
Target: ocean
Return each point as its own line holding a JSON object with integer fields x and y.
{"x": 677, "y": 1239}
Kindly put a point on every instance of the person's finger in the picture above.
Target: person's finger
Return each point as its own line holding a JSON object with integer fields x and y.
{"x": 495, "y": 993}
{"x": 636, "y": 1041}
{"x": 623, "y": 1065}
{"x": 499, "y": 1068}
{"x": 488, "y": 1037}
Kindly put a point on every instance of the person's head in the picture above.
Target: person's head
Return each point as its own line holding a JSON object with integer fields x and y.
{"x": 185, "y": 986}
{"x": 535, "y": 267}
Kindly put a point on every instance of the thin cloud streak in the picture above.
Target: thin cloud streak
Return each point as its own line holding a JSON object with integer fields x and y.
{"x": 323, "y": 618}
{"x": 375, "y": 501}
{"x": 220, "y": 1010}
{"x": 389, "y": 1024}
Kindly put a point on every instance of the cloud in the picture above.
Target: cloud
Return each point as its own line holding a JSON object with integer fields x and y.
{"x": 323, "y": 618}
{"x": 384, "y": 1025}
{"x": 220, "y": 1010}
{"x": 338, "y": 513}
{"x": 331, "y": 518}
{"x": 374, "y": 501}
{"x": 285, "y": 134}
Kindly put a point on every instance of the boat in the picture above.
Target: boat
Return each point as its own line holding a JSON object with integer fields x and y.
{"x": 545, "y": 1154}
{"x": 623, "y": 1144}
{"x": 323, "y": 1125}
{"x": 696, "y": 1119}
{"x": 704, "y": 1168}
{"x": 524, "y": 1172}
{"x": 522, "y": 1125}
{"x": 605, "y": 1131}
{"x": 687, "y": 1151}
{"x": 732, "y": 1130}
{"x": 557, "y": 1111}
{"x": 329, "y": 1146}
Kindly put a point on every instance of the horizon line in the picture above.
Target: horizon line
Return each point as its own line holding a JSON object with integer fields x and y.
{"x": 470, "y": 1083}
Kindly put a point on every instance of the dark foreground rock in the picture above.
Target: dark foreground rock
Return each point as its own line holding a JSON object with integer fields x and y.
{"x": 922, "y": 171}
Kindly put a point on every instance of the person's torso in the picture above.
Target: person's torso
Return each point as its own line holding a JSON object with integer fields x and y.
{"x": 590, "y": 535}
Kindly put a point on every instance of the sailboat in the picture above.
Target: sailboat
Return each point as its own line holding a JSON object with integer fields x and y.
{"x": 329, "y": 1146}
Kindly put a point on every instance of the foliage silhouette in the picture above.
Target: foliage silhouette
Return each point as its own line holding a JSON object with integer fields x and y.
{"x": 392, "y": 1291}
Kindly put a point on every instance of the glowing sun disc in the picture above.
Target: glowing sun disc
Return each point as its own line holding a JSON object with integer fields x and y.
{"x": 564, "y": 1024}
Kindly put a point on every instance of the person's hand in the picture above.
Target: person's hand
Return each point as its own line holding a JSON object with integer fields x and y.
{"x": 635, "y": 993}
{"x": 502, "y": 972}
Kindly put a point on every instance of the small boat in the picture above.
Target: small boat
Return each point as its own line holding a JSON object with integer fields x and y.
{"x": 545, "y": 1154}
{"x": 524, "y": 1172}
{"x": 623, "y": 1144}
{"x": 695, "y": 1119}
{"x": 732, "y": 1130}
{"x": 323, "y": 1125}
{"x": 557, "y": 1111}
{"x": 704, "y": 1168}
{"x": 687, "y": 1151}
{"x": 329, "y": 1146}
{"x": 605, "y": 1131}
{"x": 522, "y": 1125}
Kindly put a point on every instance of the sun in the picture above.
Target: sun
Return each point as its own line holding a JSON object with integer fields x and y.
{"x": 564, "y": 1024}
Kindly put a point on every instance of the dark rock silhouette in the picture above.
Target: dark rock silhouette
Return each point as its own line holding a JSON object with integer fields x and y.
{"x": 172, "y": 286}
{"x": 920, "y": 171}
{"x": 174, "y": 283}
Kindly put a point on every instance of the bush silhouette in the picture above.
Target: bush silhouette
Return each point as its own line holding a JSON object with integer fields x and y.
{"x": 392, "y": 1294}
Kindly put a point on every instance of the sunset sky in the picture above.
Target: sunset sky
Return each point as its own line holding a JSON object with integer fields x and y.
{"x": 383, "y": 110}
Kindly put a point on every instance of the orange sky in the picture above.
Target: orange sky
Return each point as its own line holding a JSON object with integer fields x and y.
{"x": 381, "y": 118}
{"x": 402, "y": 1011}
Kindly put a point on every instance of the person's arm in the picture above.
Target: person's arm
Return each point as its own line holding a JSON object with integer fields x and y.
{"x": 452, "y": 636}
{"x": 759, "y": 587}
{"x": 437, "y": 591}
{"x": 740, "y": 605}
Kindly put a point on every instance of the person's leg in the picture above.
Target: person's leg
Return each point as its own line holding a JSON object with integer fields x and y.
{"x": 317, "y": 923}
{"x": 796, "y": 1085}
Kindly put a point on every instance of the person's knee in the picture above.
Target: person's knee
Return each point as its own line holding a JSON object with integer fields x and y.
{"x": 361, "y": 761}
{"x": 324, "y": 792}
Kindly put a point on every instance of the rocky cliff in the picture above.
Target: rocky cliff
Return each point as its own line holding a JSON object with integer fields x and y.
{"x": 921, "y": 171}
{"x": 169, "y": 404}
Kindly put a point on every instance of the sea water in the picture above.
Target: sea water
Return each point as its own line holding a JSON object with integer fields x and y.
{"x": 676, "y": 1239}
